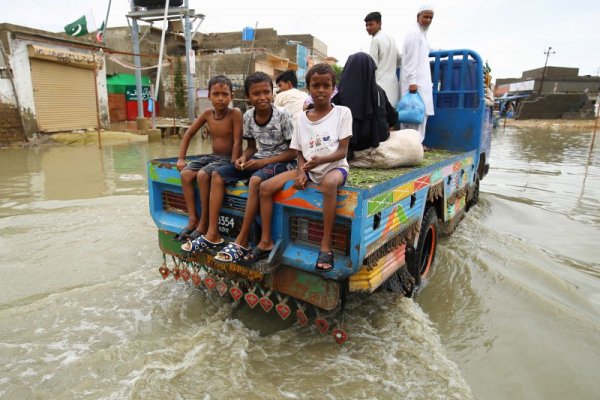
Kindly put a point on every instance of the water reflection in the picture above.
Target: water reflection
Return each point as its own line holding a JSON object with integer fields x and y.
{"x": 552, "y": 169}
{"x": 548, "y": 147}
{"x": 63, "y": 172}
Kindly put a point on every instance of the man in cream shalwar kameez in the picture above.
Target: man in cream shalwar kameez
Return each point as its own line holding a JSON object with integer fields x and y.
{"x": 415, "y": 73}
{"x": 385, "y": 53}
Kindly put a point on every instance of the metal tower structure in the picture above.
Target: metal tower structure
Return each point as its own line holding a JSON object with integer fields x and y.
{"x": 150, "y": 15}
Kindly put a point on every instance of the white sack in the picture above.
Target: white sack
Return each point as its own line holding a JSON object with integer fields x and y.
{"x": 402, "y": 149}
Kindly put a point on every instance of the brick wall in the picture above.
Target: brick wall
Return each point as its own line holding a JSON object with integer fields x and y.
{"x": 234, "y": 66}
{"x": 117, "y": 107}
{"x": 11, "y": 130}
{"x": 267, "y": 38}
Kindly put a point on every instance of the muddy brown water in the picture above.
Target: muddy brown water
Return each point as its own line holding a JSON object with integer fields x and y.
{"x": 511, "y": 309}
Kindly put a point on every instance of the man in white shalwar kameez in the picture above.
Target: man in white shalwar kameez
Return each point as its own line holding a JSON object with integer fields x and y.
{"x": 385, "y": 53}
{"x": 415, "y": 73}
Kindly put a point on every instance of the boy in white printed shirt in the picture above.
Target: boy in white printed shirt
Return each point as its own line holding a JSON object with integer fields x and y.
{"x": 321, "y": 136}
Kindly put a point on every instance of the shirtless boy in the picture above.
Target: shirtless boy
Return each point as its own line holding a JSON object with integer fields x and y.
{"x": 225, "y": 130}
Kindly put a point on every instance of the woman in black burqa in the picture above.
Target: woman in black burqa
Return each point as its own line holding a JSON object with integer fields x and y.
{"x": 372, "y": 114}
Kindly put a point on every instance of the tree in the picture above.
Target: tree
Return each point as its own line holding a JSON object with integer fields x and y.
{"x": 178, "y": 88}
{"x": 338, "y": 72}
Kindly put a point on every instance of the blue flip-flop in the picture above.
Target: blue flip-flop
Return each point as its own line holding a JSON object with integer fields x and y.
{"x": 233, "y": 252}
{"x": 200, "y": 244}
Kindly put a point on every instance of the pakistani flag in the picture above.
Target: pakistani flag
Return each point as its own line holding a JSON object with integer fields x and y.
{"x": 100, "y": 33}
{"x": 77, "y": 28}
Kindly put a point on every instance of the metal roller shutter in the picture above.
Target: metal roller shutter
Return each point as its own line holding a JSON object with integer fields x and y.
{"x": 64, "y": 96}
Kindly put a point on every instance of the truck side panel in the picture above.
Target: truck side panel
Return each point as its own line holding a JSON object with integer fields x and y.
{"x": 393, "y": 217}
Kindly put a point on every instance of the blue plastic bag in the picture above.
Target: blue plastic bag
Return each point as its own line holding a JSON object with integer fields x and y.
{"x": 411, "y": 109}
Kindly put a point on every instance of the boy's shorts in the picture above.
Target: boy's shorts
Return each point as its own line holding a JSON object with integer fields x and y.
{"x": 342, "y": 170}
{"x": 208, "y": 163}
{"x": 231, "y": 175}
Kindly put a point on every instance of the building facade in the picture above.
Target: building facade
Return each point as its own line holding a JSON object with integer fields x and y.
{"x": 120, "y": 63}
{"x": 553, "y": 93}
{"x": 51, "y": 81}
{"x": 555, "y": 80}
{"x": 229, "y": 53}
{"x": 265, "y": 51}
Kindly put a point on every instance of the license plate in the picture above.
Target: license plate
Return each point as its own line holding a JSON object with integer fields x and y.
{"x": 229, "y": 225}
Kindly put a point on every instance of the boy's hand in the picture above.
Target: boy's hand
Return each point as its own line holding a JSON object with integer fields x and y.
{"x": 316, "y": 160}
{"x": 253, "y": 164}
{"x": 181, "y": 164}
{"x": 239, "y": 163}
{"x": 300, "y": 181}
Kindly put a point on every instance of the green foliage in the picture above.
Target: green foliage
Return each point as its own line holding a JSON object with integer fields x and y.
{"x": 178, "y": 88}
{"x": 338, "y": 71}
{"x": 367, "y": 177}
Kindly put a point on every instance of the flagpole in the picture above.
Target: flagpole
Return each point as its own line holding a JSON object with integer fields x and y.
{"x": 97, "y": 104}
{"x": 106, "y": 21}
{"x": 160, "y": 51}
{"x": 191, "y": 92}
{"x": 138, "y": 63}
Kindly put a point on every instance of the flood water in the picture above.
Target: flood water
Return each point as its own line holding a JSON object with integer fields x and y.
{"x": 511, "y": 309}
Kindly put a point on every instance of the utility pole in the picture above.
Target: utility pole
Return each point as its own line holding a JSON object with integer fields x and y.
{"x": 137, "y": 62}
{"x": 252, "y": 49}
{"x": 547, "y": 53}
{"x": 191, "y": 92}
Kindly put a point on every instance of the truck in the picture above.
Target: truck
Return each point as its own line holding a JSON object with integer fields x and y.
{"x": 387, "y": 225}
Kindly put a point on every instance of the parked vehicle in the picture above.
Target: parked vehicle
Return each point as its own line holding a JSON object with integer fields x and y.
{"x": 387, "y": 224}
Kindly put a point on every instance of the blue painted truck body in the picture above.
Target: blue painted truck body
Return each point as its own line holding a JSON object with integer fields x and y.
{"x": 376, "y": 224}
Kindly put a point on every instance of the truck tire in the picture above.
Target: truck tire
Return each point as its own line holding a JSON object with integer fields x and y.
{"x": 475, "y": 197}
{"x": 426, "y": 245}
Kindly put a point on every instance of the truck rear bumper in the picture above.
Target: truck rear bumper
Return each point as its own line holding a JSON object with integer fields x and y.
{"x": 281, "y": 279}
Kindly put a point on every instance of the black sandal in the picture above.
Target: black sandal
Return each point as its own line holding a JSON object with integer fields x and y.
{"x": 324, "y": 258}
{"x": 257, "y": 254}
{"x": 183, "y": 235}
{"x": 194, "y": 235}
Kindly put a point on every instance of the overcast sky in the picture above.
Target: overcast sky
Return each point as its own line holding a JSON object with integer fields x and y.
{"x": 511, "y": 35}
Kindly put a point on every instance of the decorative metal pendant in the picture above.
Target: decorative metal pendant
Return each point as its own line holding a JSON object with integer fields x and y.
{"x": 236, "y": 292}
{"x": 210, "y": 282}
{"x": 196, "y": 280}
{"x": 322, "y": 325}
{"x": 282, "y": 308}
{"x": 164, "y": 271}
{"x": 185, "y": 274}
{"x": 251, "y": 298}
{"x": 176, "y": 273}
{"x": 265, "y": 302}
{"x": 222, "y": 287}
{"x": 301, "y": 317}
{"x": 339, "y": 336}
